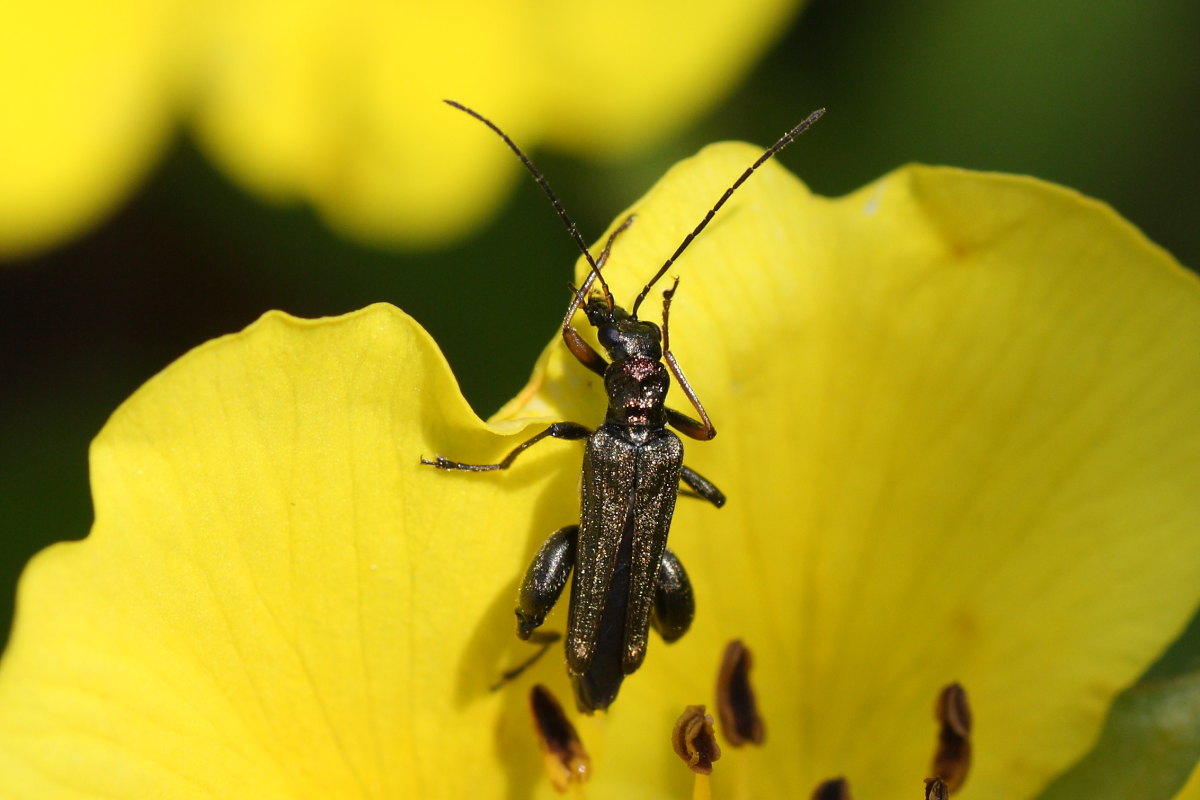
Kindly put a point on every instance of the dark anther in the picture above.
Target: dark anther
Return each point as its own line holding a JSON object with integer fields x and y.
{"x": 566, "y": 760}
{"x": 736, "y": 706}
{"x": 935, "y": 789}
{"x": 953, "y": 756}
{"x": 833, "y": 789}
{"x": 694, "y": 740}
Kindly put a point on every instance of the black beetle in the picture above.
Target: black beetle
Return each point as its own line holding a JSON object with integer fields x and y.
{"x": 626, "y": 578}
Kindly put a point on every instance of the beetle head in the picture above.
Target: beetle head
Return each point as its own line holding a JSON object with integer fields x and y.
{"x": 630, "y": 338}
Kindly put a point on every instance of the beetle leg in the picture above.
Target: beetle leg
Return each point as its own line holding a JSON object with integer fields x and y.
{"x": 692, "y": 428}
{"x": 559, "y": 430}
{"x": 702, "y": 486}
{"x": 545, "y": 579}
{"x": 674, "y": 603}
{"x": 701, "y": 429}
{"x": 545, "y": 639}
{"x": 540, "y": 590}
{"x": 583, "y": 351}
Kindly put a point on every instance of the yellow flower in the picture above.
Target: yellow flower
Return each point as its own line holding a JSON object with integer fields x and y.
{"x": 958, "y": 437}
{"x": 336, "y": 104}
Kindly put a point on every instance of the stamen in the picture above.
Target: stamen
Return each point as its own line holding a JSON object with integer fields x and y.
{"x": 953, "y": 756}
{"x": 935, "y": 789}
{"x": 566, "y": 761}
{"x": 695, "y": 741}
{"x": 736, "y": 705}
{"x": 834, "y": 789}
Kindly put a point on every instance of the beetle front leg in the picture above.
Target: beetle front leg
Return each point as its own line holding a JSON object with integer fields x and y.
{"x": 674, "y": 603}
{"x": 559, "y": 430}
{"x": 545, "y": 579}
{"x": 702, "y": 428}
{"x": 579, "y": 348}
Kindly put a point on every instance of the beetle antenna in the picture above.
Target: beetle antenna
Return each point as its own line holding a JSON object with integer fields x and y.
{"x": 783, "y": 142}
{"x": 537, "y": 176}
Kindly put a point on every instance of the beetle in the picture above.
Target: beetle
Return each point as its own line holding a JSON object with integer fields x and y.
{"x": 625, "y": 577}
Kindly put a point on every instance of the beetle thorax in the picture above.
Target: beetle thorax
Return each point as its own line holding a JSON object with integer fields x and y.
{"x": 637, "y": 388}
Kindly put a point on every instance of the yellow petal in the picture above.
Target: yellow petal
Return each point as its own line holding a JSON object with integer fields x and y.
{"x": 272, "y": 602}
{"x": 86, "y": 95}
{"x": 955, "y": 417}
{"x": 957, "y": 430}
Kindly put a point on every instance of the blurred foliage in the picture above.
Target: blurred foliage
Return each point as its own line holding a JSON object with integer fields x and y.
{"x": 1100, "y": 96}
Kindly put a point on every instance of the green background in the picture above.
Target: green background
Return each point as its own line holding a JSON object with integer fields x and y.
{"x": 1100, "y": 96}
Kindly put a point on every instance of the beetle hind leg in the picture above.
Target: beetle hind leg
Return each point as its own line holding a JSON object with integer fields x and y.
{"x": 545, "y": 579}
{"x": 674, "y": 603}
{"x": 545, "y": 639}
{"x": 540, "y": 590}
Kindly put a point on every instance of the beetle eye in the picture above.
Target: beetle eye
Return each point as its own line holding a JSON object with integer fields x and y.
{"x": 608, "y": 336}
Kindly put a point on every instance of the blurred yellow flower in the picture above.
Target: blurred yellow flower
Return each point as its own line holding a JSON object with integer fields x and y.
{"x": 957, "y": 418}
{"x": 336, "y": 104}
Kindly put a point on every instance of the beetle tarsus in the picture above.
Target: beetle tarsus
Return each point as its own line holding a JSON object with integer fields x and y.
{"x": 545, "y": 639}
